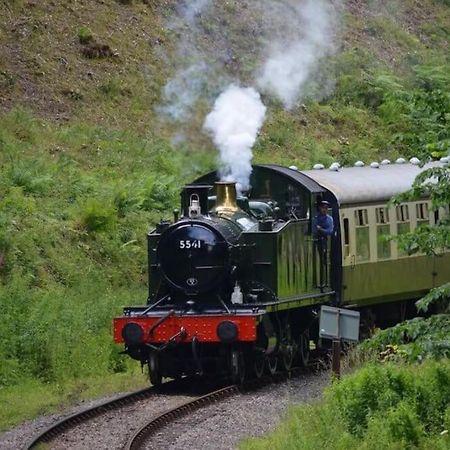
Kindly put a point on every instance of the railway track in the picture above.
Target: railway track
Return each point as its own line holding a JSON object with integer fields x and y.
{"x": 142, "y": 435}
{"x": 138, "y": 440}
{"x": 73, "y": 420}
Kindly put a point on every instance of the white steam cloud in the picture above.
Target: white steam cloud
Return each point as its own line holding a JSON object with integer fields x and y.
{"x": 293, "y": 60}
{"x": 193, "y": 8}
{"x": 182, "y": 92}
{"x": 276, "y": 46}
{"x": 234, "y": 124}
{"x": 192, "y": 72}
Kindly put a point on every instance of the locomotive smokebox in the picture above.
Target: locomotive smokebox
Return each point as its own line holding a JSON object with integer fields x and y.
{"x": 226, "y": 198}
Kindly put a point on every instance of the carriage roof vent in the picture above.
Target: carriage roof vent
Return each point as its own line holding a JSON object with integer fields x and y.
{"x": 318, "y": 167}
{"x": 375, "y": 165}
{"x": 415, "y": 161}
{"x": 385, "y": 162}
{"x": 400, "y": 161}
{"x": 293, "y": 168}
{"x": 359, "y": 164}
{"x": 335, "y": 167}
{"x": 445, "y": 160}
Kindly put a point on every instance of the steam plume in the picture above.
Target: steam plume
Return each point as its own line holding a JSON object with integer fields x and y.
{"x": 293, "y": 59}
{"x": 276, "y": 46}
{"x": 234, "y": 123}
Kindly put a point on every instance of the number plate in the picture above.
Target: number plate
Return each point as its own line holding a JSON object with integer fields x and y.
{"x": 188, "y": 244}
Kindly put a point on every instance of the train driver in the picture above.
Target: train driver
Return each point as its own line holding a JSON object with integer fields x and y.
{"x": 323, "y": 225}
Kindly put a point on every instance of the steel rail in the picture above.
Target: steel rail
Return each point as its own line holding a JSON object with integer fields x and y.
{"x": 58, "y": 428}
{"x": 66, "y": 423}
{"x": 142, "y": 435}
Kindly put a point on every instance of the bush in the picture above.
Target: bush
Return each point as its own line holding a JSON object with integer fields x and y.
{"x": 85, "y": 35}
{"x": 414, "y": 340}
{"x": 377, "y": 407}
{"x": 97, "y": 215}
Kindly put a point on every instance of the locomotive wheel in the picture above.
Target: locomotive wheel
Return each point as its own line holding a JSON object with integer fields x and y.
{"x": 272, "y": 364}
{"x": 287, "y": 356}
{"x": 288, "y": 350}
{"x": 153, "y": 369}
{"x": 258, "y": 364}
{"x": 237, "y": 367}
{"x": 303, "y": 348}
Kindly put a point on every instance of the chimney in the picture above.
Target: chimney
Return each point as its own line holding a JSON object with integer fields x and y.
{"x": 226, "y": 202}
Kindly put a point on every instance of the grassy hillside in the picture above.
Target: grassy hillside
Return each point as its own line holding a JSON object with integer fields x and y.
{"x": 88, "y": 166}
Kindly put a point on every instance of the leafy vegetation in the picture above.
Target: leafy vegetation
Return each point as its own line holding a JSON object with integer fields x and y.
{"x": 85, "y": 35}
{"x": 75, "y": 205}
{"x": 414, "y": 340}
{"x": 379, "y": 406}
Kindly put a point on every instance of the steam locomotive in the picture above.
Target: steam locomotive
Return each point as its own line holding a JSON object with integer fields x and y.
{"x": 236, "y": 283}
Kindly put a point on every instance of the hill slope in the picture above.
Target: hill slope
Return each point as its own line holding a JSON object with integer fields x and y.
{"x": 87, "y": 165}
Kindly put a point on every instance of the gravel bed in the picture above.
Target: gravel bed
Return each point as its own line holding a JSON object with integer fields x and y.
{"x": 19, "y": 436}
{"x": 105, "y": 428}
{"x": 221, "y": 426}
{"x": 112, "y": 430}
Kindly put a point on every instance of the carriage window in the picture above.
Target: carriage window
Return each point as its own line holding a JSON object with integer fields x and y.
{"x": 403, "y": 225}
{"x": 361, "y": 217}
{"x": 382, "y": 216}
{"x": 362, "y": 235}
{"x": 383, "y": 230}
{"x": 422, "y": 214}
{"x": 402, "y": 213}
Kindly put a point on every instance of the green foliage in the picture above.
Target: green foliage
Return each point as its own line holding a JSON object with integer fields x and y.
{"x": 377, "y": 390}
{"x": 97, "y": 215}
{"x": 415, "y": 112}
{"x": 419, "y": 117}
{"x": 414, "y": 340}
{"x": 439, "y": 296}
{"x": 85, "y": 35}
{"x": 76, "y": 202}
{"x": 387, "y": 406}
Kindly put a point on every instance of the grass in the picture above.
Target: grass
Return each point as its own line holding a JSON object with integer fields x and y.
{"x": 33, "y": 398}
{"x": 76, "y": 203}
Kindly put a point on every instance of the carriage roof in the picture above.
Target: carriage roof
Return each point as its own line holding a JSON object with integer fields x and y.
{"x": 348, "y": 185}
{"x": 366, "y": 184}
